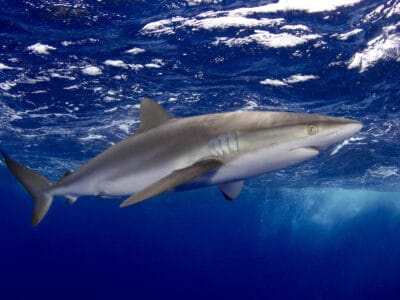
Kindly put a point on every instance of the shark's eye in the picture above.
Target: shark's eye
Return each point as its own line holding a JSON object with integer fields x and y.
{"x": 312, "y": 129}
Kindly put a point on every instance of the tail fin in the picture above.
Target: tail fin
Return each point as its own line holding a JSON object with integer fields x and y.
{"x": 35, "y": 184}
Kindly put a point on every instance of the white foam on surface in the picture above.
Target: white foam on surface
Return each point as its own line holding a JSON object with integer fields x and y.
{"x": 386, "y": 46}
{"x": 383, "y": 171}
{"x": 72, "y": 87}
{"x": 242, "y": 18}
{"x": 135, "y": 51}
{"x": 24, "y": 79}
{"x": 155, "y": 63}
{"x": 39, "y": 92}
{"x": 168, "y": 26}
{"x": 28, "y": 80}
{"x": 116, "y": 63}
{"x": 374, "y": 14}
{"x": 392, "y": 10}
{"x": 7, "y": 85}
{"x": 239, "y": 17}
{"x": 273, "y": 82}
{"x": 92, "y": 137}
{"x": 125, "y": 128}
{"x": 152, "y": 65}
{"x": 296, "y": 27}
{"x": 386, "y": 10}
{"x": 300, "y": 78}
{"x": 197, "y": 2}
{"x": 79, "y": 42}
{"x": 297, "y": 78}
{"x": 250, "y": 105}
{"x": 110, "y": 110}
{"x": 345, "y": 36}
{"x": 281, "y": 40}
{"x": 5, "y": 67}
{"x": 39, "y": 48}
{"x": 127, "y": 125}
{"x": 92, "y": 71}
{"x": 136, "y": 67}
{"x": 120, "y": 77}
{"x": 309, "y": 6}
{"x": 268, "y": 39}
{"x": 66, "y": 43}
{"x": 57, "y": 75}
{"x": 163, "y": 26}
{"x": 230, "y": 21}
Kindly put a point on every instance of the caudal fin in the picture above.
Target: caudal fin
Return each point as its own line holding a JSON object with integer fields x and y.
{"x": 35, "y": 184}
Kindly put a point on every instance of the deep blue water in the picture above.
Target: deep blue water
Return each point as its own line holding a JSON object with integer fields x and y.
{"x": 72, "y": 74}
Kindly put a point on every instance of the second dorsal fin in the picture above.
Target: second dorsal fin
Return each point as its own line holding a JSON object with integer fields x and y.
{"x": 151, "y": 115}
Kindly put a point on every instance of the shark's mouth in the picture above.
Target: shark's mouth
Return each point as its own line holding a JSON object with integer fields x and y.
{"x": 314, "y": 148}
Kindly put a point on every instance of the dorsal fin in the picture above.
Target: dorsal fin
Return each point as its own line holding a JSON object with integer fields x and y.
{"x": 151, "y": 115}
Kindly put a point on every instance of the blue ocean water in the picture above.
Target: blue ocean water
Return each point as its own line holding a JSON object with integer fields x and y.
{"x": 72, "y": 74}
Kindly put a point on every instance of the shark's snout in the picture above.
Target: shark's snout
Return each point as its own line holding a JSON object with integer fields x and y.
{"x": 348, "y": 129}
{"x": 334, "y": 132}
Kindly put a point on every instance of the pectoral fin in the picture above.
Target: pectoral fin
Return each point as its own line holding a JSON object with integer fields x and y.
{"x": 174, "y": 179}
{"x": 231, "y": 190}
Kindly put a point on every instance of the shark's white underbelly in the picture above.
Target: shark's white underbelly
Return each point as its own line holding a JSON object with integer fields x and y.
{"x": 253, "y": 164}
{"x": 259, "y": 162}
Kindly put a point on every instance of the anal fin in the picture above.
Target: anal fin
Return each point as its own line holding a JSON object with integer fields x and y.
{"x": 231, "y": 190}
{"x": 173, "y": 180}
{"x": 71, "y": 199}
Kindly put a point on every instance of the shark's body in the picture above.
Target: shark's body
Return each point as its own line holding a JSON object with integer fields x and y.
{"x": 180, "y": 153}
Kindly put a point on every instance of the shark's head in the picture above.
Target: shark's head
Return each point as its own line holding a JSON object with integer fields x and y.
{"x": 325, "y": 131}
{"x": 270, "y": 141}
{"x": 291, "y": 131}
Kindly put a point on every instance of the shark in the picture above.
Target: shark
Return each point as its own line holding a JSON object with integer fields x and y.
{"x": 175, "y": 154}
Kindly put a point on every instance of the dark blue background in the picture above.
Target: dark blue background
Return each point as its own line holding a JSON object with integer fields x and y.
{"x": 198, "y": 246}
{"x": 327, "y": 229}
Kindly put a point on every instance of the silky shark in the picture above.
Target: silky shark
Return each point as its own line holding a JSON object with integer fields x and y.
{"x": 170, "y": 154}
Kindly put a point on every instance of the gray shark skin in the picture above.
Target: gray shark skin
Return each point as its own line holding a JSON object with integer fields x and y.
{"x": 167, "y": 154}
